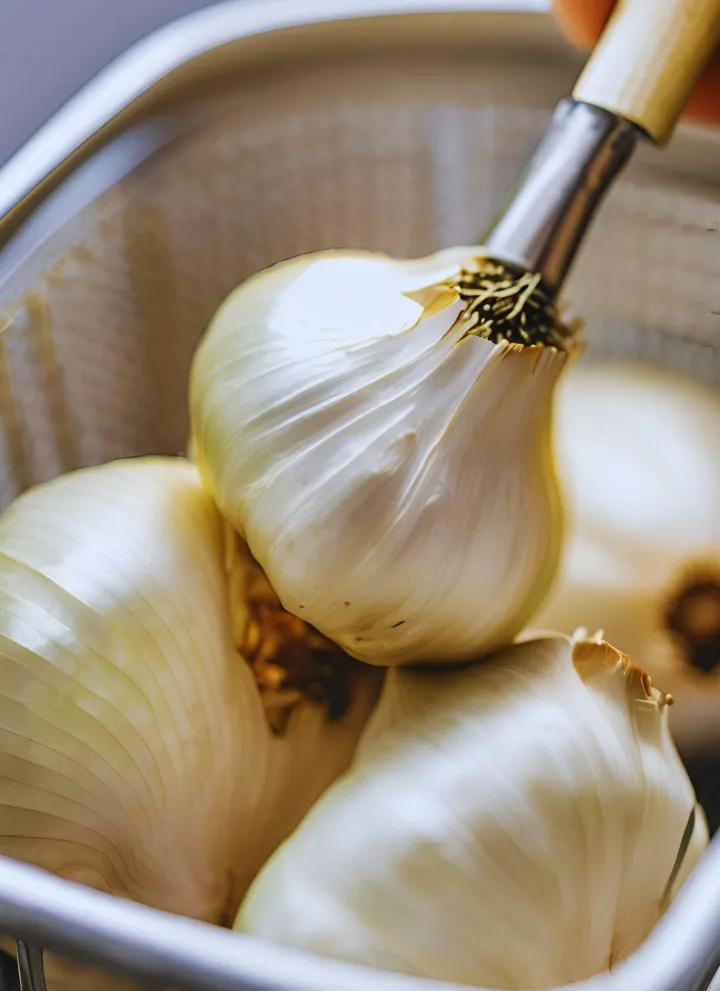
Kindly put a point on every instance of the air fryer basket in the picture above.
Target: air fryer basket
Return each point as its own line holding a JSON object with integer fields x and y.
{"x": 238, "y": 137}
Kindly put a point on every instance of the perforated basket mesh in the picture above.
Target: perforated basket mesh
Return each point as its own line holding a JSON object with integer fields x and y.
{"x": 405, "y": 156}
{"x": 100, "y": 317}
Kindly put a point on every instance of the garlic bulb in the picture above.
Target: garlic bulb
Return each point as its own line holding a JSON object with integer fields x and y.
{"x": 387, "y": 463}
{"x": 135, "y": 755}
{"x": 639, "y": 455}
{"x": 518, "y": 823}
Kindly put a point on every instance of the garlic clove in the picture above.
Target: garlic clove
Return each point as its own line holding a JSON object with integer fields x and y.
{"x": 389, "y": 466}
{"x": 639, "y": 457}
{"x": 511, "y": 824}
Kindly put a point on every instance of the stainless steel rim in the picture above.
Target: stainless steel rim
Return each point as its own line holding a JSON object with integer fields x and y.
{"x": 39, "y": 909}
{"x": 681, "y": 954}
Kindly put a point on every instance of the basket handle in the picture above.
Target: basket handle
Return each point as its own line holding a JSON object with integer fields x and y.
{"x": 648, "y": 60}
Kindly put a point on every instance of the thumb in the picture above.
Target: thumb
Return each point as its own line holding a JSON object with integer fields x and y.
{"x": 582, "y": 21}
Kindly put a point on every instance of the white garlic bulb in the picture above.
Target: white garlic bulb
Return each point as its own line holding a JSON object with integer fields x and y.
{"x": 135, "y": 754}
{"x": 519, "y": 823}
{"x": 390, "y": 470}
{"x": 638, "y": 452}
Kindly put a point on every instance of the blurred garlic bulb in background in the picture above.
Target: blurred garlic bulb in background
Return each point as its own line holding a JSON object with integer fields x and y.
{"x": 638, "y": 452}
{"x": 367, "y": 427}
{"x": 518, "y": 823}
{"x": 135, "y": 751}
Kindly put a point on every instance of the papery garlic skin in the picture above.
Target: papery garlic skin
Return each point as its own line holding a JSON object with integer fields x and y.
{"x": 392, "y": 475}
{"x": 638, "y": 452}
{"x": 513, "y": 824}
{"x": 135, "y": 755}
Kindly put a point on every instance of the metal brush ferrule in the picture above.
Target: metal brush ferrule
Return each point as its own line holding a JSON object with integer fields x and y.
{"x": 574, "y": 165}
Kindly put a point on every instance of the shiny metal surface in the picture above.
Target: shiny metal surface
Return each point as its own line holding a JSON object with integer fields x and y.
{"x": 240, "y": 136}
{"x": 543, "y": 226}
{"x": 681, "y": 954}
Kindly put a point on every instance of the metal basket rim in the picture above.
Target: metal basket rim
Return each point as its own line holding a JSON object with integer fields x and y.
{"x": 683, "y": 951}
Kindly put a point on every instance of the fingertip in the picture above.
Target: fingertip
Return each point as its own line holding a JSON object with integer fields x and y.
{"x": 582, "y": 21}
{"x": 704, "y": 103}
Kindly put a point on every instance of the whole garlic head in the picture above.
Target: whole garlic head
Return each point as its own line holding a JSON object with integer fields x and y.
{"x": 519, "y": 823}
{"x": 135, "y": 752}
{"x": 390, "y": 469}
{"x": 638, "y": 452}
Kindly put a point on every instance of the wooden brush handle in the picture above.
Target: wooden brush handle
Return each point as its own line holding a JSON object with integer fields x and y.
{"x": 648, "y": 60}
